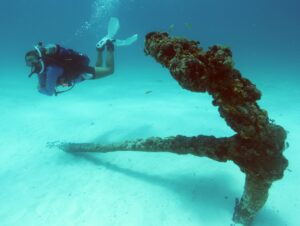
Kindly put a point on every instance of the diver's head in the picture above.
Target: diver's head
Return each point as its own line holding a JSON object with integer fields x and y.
{"x": 33, "y": 59}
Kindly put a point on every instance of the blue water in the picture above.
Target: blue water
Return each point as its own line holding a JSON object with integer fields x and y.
{"x": 264, "y": 37}
{"x": 256, "y": 29}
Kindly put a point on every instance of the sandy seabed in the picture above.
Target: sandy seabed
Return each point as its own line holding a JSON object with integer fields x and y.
{"x": 44, "y": 186}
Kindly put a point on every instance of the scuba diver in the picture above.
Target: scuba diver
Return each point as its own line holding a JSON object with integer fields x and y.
{"x": 57, "y": 66}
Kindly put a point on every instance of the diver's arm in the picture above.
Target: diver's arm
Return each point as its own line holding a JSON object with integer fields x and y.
{"x": 52, "y": 74}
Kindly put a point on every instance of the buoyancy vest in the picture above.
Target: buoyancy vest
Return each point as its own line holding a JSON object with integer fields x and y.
{"x": 73, "y": 63}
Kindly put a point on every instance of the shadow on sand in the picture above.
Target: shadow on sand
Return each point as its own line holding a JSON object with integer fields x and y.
{"x": 205, "y": 196}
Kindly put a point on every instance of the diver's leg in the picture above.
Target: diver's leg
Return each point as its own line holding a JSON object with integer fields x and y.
{"x": 108, "y": 69}
{"x": 110, "y": 60}
{"x": 99, "y": 60}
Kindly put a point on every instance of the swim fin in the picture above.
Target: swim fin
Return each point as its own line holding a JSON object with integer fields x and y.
{"x": 113, "y": 27}
{"x": 127, "y": 41}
